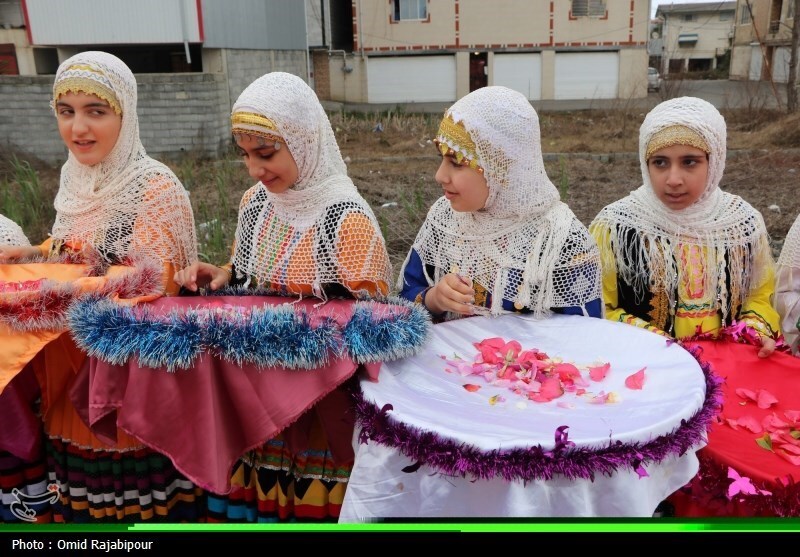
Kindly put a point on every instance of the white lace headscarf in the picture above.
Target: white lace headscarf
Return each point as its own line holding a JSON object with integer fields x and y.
{"x": 284, "y": 107}
{"x": 525, "y": 245}
{"x": 718, "y": 222}
{"x": 11, "y": 234}
{"x": 127, "y": 204}
{"x": 790, "y": 252}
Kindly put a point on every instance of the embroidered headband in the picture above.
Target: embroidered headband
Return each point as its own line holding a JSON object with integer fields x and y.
{"x": 254, "y": 124}
{"x": 83, "y": 78}
{"x": 453, "y": 140}
{"x": 676, "y": 135}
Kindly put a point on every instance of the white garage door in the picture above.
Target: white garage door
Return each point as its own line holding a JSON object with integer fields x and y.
{"x": 780, "y": 64}
{"x": 521, "y": 72}
{"x": 755, "y": 63}
{"x": 586, "y": 75}
{"x": 411, "y": 79}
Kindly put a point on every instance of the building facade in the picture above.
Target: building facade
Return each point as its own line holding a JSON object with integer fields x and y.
{"x": 696, "y": 37}
{"x": 762, "y": 40}
{"x": 414, "y": 51}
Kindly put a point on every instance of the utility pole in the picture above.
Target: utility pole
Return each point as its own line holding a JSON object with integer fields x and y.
{"x": 791, "y": 85}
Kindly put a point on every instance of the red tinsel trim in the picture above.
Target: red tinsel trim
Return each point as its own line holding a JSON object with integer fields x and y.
{"x": 46, "y": 308}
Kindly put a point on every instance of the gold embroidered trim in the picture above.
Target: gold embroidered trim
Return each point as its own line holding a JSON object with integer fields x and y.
{"x": 453, "y": 140}
{"x": 675, "y": 135}
{"x": 256, "y": 133}
{"x": 90, "y": 87}
{"x": 240, "y": 119}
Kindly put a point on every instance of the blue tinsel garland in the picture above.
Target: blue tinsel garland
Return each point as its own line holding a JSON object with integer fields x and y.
{"x": 276, "y": 336}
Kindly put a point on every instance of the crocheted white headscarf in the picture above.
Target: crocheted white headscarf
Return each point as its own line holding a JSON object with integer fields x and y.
{"x": 11, "y": 234}
{"x": 718, "y": 221}
{"x": 127, "y": 204}
{"x": 283, "y": 106}
{"x": 525, "y": 246}
{"x": 790, "y": 253}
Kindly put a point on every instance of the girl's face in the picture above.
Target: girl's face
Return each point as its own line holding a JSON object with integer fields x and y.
{"x": 88, "y": 126}
{"x": 678, "y": 174}
{"x": 464, "y": 187}
{"x": 275, "y": 168}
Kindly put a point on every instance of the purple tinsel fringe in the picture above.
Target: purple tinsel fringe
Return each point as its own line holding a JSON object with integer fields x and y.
{"x": 535, "y": 463}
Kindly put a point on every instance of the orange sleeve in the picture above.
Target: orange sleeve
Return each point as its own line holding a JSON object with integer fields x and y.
{"x": 146, "y": 231}
{"x": 45, "y": 246}
{"x": 362, "y": 258}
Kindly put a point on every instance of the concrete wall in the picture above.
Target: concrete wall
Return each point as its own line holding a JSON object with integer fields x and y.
{"x": 244, "y": 66}
{"x": 177, "y": 113}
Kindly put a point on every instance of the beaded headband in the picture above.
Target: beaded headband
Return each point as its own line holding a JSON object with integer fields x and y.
{"x": 453, "y": 140}
{"x": 83, "y": 78}
{"x": 675, "y": 135}
{"x": 253, "y": 124}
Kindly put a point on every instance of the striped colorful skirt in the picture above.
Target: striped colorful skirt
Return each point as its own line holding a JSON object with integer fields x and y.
{"x": 271, "y": 484}
{"x": 120, "y": 486}
{"x": 24, "y": 496}
{"x": 101, "y": 482}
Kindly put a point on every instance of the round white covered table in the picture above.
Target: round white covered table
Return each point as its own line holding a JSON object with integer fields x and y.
{"x": 425, "y": 404}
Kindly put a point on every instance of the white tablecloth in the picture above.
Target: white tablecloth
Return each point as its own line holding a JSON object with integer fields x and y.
{"x": 423, "y": 395}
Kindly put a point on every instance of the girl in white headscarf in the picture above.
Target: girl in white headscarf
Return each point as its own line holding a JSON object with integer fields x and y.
{"x": 681, "y": 256}
{"x": 787, "y": 297}
{"x": 112, "y": 197}
{"x": 303, "y": 230}
{"x": 499, "y": 240}
{"x": 116, "y": 201}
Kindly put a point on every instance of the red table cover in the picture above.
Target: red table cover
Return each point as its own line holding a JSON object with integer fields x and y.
{"x": 205, "y": 417}
{"x": 727, "y": 447}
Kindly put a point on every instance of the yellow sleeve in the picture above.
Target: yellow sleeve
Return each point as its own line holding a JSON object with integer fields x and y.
{"x": 602, "y": 235}
{"x": 363, "y": 262}
{"x": 757, "y": 310}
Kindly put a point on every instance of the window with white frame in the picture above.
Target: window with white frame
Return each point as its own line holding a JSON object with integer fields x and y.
{"x": 405, "y": 10}
{"x": 744, "y": 19}
{"x": 583, "y": 8}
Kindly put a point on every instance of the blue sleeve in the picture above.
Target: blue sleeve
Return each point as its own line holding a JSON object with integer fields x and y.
{"x": 593, "y": 309}
{"x": 414, "y": 280}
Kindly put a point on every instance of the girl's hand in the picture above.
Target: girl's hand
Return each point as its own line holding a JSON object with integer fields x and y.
{"x": 202, "y": 275}
{"x": 452, "y": 293}
{"x": 10, "y": 254}
{"x": 767, "y": 347}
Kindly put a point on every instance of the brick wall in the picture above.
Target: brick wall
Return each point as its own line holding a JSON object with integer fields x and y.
{"x": 322, "y": 76}
{"x": 177, "y": 113}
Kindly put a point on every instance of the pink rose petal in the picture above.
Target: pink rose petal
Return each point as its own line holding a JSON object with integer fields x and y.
{"x": 746, "y": 393}
{"x": 750, "y": 423}
{"x": 636, "y": 380}
{"x": 766, "y": 399}
{"x": 599, "y": 373}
